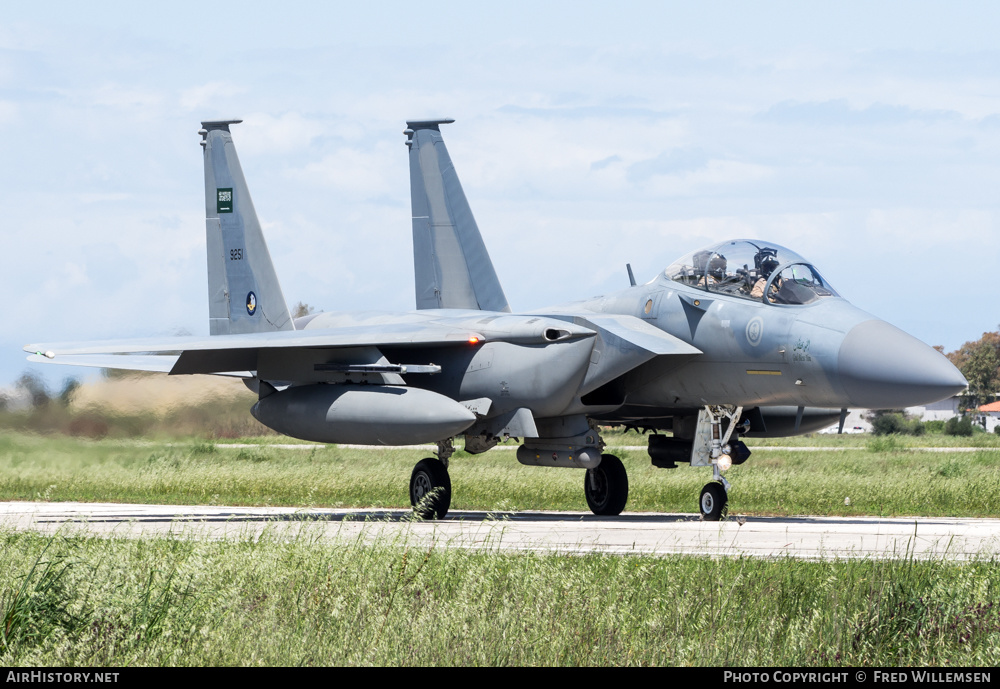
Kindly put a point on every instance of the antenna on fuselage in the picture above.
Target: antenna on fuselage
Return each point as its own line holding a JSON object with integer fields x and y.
{"x": 631, "y": 277}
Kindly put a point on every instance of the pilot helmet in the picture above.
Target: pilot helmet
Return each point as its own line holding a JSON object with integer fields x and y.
{"x": 766, "y": 260}
{"x": 717, "y": 267}
{"x": 700, "y": 261}
{"x": 710, "y": 264}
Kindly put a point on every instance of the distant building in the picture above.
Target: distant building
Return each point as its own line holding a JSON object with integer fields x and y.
{"x": 937, "y": 411}
{"x": 14, "y": 399}
{"x": 857, "y": 419}
{"x": 989, "y": 416}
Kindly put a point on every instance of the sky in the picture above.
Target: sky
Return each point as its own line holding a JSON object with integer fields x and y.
{"x": 864, "y": 136}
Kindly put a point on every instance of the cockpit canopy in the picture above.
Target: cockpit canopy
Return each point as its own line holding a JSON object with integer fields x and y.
{"x": 752, "y": 269}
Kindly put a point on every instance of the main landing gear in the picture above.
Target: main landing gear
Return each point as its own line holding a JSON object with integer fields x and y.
{"x": 606, "y": 487}
{"x": 605, "y": 483}
{"x": 576, "y": 442}
{"x": 430, "y": 484}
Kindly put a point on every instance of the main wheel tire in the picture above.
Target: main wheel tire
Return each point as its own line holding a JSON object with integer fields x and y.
{"x": 714, "y": 502}
{"x": 430, "y": 489}
{"x": 609, "y": 492}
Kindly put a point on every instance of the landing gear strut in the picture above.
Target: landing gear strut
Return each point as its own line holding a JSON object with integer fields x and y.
{"x": 714, "y": 500}
{"x": 430, "y": 484}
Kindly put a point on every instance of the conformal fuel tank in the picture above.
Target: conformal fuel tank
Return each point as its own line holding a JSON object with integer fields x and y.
{"x": 363, "y": 414}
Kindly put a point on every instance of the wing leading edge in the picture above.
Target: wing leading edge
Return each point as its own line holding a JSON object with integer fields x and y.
{"x": 238, "y": 354}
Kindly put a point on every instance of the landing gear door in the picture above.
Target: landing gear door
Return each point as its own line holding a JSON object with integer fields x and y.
{"x": 701, "y": 450}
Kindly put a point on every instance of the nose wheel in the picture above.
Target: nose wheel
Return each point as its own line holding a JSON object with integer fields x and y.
{"x": 714, "y": 502}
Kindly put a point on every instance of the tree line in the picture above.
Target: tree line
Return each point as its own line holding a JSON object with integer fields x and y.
{"x": 979, "y": 362}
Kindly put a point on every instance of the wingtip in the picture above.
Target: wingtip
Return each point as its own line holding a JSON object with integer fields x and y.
{"x": 39, "y": 350}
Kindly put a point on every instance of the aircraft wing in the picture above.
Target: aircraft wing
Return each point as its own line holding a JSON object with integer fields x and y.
{"x": 135, "y": 362}
{"x": 238, "y": 354}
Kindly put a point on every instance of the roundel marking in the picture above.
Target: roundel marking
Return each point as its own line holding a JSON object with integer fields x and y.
{"x": 755, "y": 331}
{"x": 251, "y": 303}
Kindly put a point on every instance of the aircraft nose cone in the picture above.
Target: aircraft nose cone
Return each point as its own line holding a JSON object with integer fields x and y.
{"x": 881, "y": 367}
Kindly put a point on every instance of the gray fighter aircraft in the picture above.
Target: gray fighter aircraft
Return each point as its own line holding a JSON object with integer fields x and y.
{"x": 742, "y": 338}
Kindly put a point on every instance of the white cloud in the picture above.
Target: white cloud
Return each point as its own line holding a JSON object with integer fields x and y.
{"x": 263, "y": 133}
{"x": 207, "y": 96}
{"x": 718, "y": 177}
{"x": 65, "y": 282}
{"x": 360, "y": 173}
{"x": 102, "y": 197}
{"x": 126, "y": 97}
{"x": 8, "y": 112}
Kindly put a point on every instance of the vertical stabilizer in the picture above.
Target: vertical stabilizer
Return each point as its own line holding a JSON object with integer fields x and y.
{"x": 451, "y": 266}
{"x": 243, "y": 291}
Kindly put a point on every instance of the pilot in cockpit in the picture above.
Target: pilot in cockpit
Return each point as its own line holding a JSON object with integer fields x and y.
{"x": 711, "y": 267}
{"x": 765, "y": 261}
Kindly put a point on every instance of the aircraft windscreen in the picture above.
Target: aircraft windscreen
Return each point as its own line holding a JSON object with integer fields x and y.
{"x": 752, "y": 269}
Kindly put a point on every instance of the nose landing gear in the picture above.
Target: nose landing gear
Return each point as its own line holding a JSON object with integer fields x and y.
{"x": 714, "y": 500}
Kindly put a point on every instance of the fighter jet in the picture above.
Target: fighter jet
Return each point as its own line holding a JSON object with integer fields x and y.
{"x": 741, "y": 338}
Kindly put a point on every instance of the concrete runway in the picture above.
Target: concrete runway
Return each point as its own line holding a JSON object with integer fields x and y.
{"x": 574, "y": 532}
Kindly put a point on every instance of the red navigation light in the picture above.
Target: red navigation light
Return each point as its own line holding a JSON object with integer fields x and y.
{"x": 473, "y": 340}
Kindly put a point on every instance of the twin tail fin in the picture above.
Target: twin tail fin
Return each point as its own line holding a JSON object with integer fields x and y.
{"x": 243, "y": 291}
{"x": 452, "y": 268}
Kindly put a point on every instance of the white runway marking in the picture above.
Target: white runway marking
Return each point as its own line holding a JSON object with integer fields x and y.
{"x": 575, "y": 532}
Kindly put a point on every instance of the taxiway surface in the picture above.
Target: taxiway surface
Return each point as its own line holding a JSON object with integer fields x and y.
{"x": 576, "y": 532}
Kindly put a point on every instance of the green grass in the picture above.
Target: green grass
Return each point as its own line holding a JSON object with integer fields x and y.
{"x": 886, "y": 478}
{"x": 75, "y": 601}
{"x": 302, "y": 601}
{"x": 981, "y": 440}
